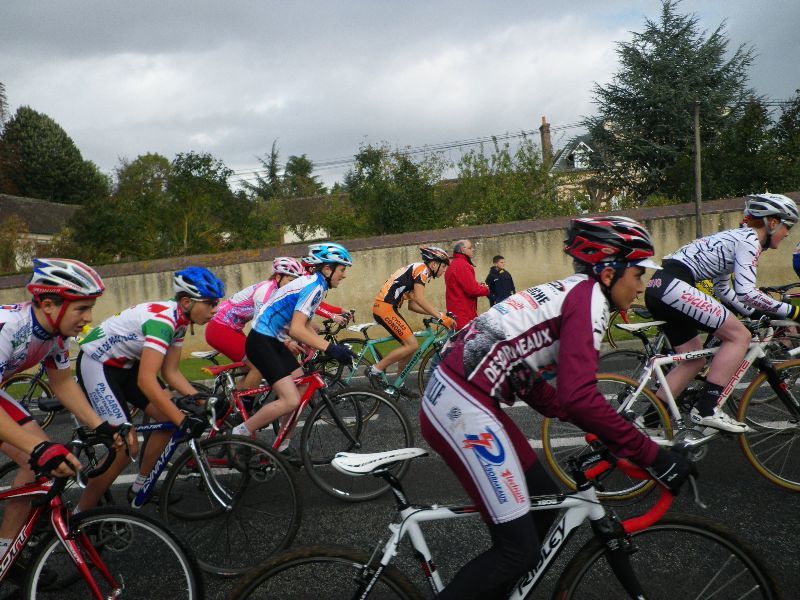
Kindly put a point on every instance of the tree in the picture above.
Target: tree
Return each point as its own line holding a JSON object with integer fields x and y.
{"x": 645, "y": 120}
{"x": 298, "y": 181}
{"x": 268, "y": 185}
{"x": 786, "y": 135}
{"x": 41, "y": 161}
{"x": 15, "y": 247}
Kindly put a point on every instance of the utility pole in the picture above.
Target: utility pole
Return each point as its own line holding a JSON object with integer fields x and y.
{"x": 698, "y": 192}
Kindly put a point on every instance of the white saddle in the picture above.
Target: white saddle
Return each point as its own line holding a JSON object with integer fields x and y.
{"x": 639, "y": 326}
{"x": 361, "y": 327}
{"x": 362, "y": 464}
{"x": 205, "y": 354}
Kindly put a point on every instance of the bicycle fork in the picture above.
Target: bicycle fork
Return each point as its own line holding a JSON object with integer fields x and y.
{"x": 782, "y": 390}
{"x": 618, "y": 549}
{"x": 219, "y": 493}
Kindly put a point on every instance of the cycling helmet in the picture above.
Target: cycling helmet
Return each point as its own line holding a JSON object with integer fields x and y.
{"x": 70, "y": 279}
{"x": 198, "y": 283}
{"x": 771, "y": 205}
{"x": 434, "y": 253}
{"x": 610, "y": 241}
{"x": 286, "y": 265}
{"x": 328, "y": 252}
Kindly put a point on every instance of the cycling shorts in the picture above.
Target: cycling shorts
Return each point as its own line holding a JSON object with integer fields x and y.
{"x": 386, "y": 314}
{"x": 481, "y": 444}
{"x": 270, "y": 356}
{"x": 14, "y": 409}
{"x": 670, "y": 297}
{"x": 110, "y": 389}
{"x": 226, "y": 340}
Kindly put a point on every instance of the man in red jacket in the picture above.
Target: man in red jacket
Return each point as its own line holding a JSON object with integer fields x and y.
{"x": 461, "y": 289}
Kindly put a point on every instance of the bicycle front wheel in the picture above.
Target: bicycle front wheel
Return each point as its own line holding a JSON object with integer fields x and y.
{"x": 144, "y": 558}
{"x": 562, "y": 441}
{"x": 329, "y": 572}
{"x": 772, "y": 445}
{"x": 426, "y": 366}
{"x": 264, "y": 512}
{"x": 28, "y": 390}
{"x": 386, "y": 428}
{"x": 682, "y": 556}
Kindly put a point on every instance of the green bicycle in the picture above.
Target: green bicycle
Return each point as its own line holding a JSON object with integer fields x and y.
{"x": 432, "y": 340}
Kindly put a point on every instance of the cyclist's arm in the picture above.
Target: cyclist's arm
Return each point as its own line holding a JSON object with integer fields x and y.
{"x": 328, "y": 311}
{"x": 301, "y": 331}
{"x": 71, "y": 396}
{"x": 13, "y": 434}
{"x": 744, "y": 282}
{"x": 419, "y": 303}
{"x": 149, "y": 367}
{"x": 171, "y": 372}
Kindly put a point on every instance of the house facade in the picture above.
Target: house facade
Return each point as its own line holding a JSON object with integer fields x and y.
{"x": 29, "y": 227}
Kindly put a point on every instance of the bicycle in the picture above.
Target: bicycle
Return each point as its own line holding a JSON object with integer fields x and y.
{"x": 357, "y": 417}
{"x": 103, "y": 548}
{"x": 771, "y": 412}
{"x": 639, "y": 557}
{"x": 433, "y": 339}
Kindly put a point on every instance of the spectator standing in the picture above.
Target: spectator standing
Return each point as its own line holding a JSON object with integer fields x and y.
{"x": 461, "y": 289}
{"x": 499, "y": 281}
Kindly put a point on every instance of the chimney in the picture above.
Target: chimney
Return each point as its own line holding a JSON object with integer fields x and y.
{"x": 547, "y": 146}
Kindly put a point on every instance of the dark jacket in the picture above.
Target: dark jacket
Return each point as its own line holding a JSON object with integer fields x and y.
{"x": 501, "y": 285}
{"x": 461, "y": 289}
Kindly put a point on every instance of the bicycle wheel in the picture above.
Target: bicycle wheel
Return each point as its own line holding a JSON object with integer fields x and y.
{"x": 386, "y": 429}
{"x": 426, "y": 366}
{"x": 28, "y": 390}
{"x": 682, "y": 556}
{"x": 562, "y": 440}
{"x": 265, "y": 513}
{"x": 773, "y": 444}
{"x": 629, "y": 363}
{"x": 142, "y": 555}
{"x": 330, "y": 572}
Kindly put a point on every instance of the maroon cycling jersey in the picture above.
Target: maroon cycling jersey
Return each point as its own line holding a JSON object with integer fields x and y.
{"x": 541, "y": 346}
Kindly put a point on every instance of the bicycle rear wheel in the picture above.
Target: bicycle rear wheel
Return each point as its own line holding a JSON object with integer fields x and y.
{"x": 28, "y": 390}
{"x": 681, "y": 556}
{"x": 265, "y": 513}
{"x": 387, "y": 428}
{"x": 773, "y": 444}
{"x": 356, "y": 346}
{"x": 329, "y": 572}
{"x": 142, "y": 555}
{"x": 629, "y": 363}
{"x": 561, "y": 440}
{"x": 426, "y": 366}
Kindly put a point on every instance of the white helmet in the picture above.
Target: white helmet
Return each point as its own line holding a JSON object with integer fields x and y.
{"x": 286, "y": 265}
{"x": 771, "y": 205}
{"x": 70, "y": 279}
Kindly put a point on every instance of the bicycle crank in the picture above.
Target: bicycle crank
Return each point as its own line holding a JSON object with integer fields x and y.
{"x": 693, "y": 441}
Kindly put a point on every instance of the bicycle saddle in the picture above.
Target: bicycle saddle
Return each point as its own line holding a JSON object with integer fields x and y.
{"x": 352, "y": 463}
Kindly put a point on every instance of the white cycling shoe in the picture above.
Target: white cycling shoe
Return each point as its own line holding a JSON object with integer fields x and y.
{"x": 719, "y": 420}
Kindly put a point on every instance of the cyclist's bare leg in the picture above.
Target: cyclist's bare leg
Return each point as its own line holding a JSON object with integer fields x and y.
{"x": 16, "y": 510}
{"x": 683, "y": 373}
{"x": 735, "y": 340}
{"x": 400, "y": 355}
{"x": 287, "y": 399}
{"x": 156, "y": 442}
{"x": 251, "y": 380}
{"x": 97, "y": 486}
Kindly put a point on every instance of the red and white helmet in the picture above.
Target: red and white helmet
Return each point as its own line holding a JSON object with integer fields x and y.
{"x": 611, "y": 239}
{"x": 286, "y": 265}
{"x": 70, "y": 279}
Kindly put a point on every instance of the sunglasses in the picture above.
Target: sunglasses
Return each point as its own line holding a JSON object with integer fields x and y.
{"x": 211, "y": 303}
{"x": 788, "y": 224}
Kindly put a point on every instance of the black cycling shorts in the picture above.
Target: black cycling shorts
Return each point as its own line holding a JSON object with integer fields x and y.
{"x": 270, "y": 356}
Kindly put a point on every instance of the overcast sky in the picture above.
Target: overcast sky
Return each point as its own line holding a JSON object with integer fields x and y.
{"x": 126, "y": 77}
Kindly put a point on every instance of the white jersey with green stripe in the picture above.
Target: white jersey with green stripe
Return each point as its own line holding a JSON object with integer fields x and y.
{"x": 120, "y": 340}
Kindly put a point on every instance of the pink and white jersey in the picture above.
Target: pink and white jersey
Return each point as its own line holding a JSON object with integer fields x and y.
{"x": 119, "y": 340}
{"x": 238, "y": 310}
{"x": 24, "y": 342}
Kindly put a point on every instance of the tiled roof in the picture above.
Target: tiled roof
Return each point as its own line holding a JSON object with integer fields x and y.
{"x": 561, "y": 162}
{"x": 42, "y": 217}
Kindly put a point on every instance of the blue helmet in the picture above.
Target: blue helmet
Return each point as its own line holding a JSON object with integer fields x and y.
{"x": 198, "y": 283}
{"x": 328, "y": 252}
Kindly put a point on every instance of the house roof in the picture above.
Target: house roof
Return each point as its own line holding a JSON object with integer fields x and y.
{"x": 41, "y": 216}
{"x": 564, "y": 159}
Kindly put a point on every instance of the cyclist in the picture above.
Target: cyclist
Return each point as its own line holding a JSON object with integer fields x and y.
{"x": 225, "y": 333}
{"x": 672, "y": 297}
{"x": 407, "y": 283}
{"x": 287, "y": 316}
{"x": 512, "y": 352}
{"x": 63, "y": 294}
{"x": 121, "y": 359}
{"x": 327, "y": 311}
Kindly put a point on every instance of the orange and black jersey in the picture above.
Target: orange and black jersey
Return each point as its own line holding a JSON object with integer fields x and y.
{"x": 400, "y": 283}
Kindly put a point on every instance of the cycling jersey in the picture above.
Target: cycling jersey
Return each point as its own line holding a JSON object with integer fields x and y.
{"x": 303, "y": 294}
{"x": 25, "y": 343}
{"x": 732, "y": 252}
{"x": 238, "y": 310}
{"x": 120, "y": 340}
{"x": 401, "y": 283}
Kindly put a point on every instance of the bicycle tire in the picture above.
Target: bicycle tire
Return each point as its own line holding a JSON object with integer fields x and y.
{"x": 136, "y": 548}
{"x": 427, "y": 364}
{"x": 266, "y": 509}
{"x": 773, "y": 444}
{"x": 27, "y": 390}
{"x": 313, "y": 572}
{"x": 622, "y": 362}
{"x": 681, "y": 556}
{"x": 387, "y": 429}
{"x": 562, "y": 440}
